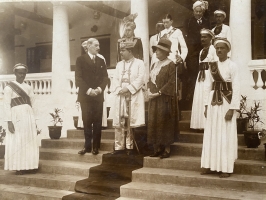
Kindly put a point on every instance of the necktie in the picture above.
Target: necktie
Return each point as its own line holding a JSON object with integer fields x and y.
{"x": 199, "y": 21}
{"x": 93, "y": 59}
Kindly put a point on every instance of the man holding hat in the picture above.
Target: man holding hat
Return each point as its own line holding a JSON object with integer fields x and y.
{"x": 91, "y": 78}
{"x": 128, "y": 110}
{"x": 222, "y": 99}
{"x": 21, "y": 149}
{"x": 207, "y": 55}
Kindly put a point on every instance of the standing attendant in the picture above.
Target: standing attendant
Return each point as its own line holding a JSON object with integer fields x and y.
{"x": 128, "y": 110}
{"x": 91, "y": 78}
{"x": 21, "y": 149}
{"x": 207, "y": 55}
{"x": 192, "y": 28}
{"x": 163, "y": 108}
{"x": 222, "y": 89}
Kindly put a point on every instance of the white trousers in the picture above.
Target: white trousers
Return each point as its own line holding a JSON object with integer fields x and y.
{"x": 121, "y": 138}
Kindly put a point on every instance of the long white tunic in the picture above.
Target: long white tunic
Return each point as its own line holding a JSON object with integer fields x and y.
{"x": 225, "y": 33}
{"x": 137, "y": 74}
{"x": 197, "y": 115}
{"x": 219, "y": 149}
{"x": 21, "y": 149}
{"x": 176, "y": 38}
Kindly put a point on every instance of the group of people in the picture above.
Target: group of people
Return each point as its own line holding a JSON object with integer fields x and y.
{"x": 206, "y": 59}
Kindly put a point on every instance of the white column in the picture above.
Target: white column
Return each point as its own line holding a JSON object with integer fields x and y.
{"x": 240, "y": 24}
{"x": 142, "y": 29}
{"x": 60, "y": 54}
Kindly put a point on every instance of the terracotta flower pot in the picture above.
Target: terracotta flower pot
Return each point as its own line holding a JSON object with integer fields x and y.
{"x": 76, "y": 119}
{"x": 55, "y": 132}
{"x": 251, "y": 139}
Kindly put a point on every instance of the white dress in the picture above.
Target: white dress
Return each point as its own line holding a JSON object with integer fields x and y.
{"x": 21, "y": 149}
{"x": 197, "y": 114}
{"x": 219, "y": 150}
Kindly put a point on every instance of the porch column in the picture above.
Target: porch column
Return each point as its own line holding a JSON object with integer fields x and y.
{"x": 60, "y": 52}
{"x": 240, "y": 24}
{"x": 142, "y": 29}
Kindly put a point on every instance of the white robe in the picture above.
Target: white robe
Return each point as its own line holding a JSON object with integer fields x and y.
{"x": 21, "y": 149}
{"x": 219, "y": 150}
{"x": 197, "y": 114}
{"x": 225, "y": 33}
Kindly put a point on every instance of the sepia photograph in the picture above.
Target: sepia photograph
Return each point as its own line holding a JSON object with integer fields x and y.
{"x": 132, "y": 99}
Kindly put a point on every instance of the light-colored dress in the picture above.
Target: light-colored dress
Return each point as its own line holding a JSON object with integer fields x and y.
{"x": 21, "y": 149}
{"x": 219, "y": 150}
{"x": 197, "y": 114}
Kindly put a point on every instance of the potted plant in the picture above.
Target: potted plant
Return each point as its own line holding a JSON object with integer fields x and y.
{"x": 252, "y": 139}
{"x": 2, "y": 147}
{"x": 242, "y": 122}
{"x": 55, "y": 131}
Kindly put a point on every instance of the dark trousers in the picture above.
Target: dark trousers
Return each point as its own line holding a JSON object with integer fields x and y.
{"x": 92, "y": 112}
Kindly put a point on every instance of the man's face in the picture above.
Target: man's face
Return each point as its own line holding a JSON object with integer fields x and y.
{"x": 94, "y": 48}
{"x": 221, "y": 50}
{"x": 219, "y": 18}
{"x": 198, "y": 12}
{"x": 167, "y": 23}
{"x": 125, "y": 54}
{"x": 129, "y": 32}
{"x": 205, "y": 39}
{"x": 20, "y": 75}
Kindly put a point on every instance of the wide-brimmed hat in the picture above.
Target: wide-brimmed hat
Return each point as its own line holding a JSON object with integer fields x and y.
{"x": 164, "y": 44}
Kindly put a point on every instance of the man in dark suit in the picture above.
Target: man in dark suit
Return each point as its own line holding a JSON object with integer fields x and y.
{"x": 192, "y": 29}
{"x": 91, "y": 78}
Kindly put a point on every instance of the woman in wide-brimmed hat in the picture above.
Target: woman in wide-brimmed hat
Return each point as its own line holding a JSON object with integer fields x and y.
{"x": 162, "y": 103}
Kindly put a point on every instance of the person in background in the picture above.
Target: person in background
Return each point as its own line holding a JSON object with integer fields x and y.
{"x": 207, "y": 55}
{"x": 91, "y": 79}
{"x": 129, "y": 36}
{"x": 192, "y": 29}
{"x": 154, "y": 41}
{"x": 222, "y": 99}
{"x": 21, "y": 148}
{"x": 128, "y": 111}
{"x": 162, "y": 112}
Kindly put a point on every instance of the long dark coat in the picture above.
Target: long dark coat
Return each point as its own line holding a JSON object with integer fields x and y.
{"x": 162, "y": 121}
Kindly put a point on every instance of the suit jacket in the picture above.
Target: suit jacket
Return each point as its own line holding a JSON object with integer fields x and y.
{"x": 192, "y": 29}
{"x": 90, "y": 75}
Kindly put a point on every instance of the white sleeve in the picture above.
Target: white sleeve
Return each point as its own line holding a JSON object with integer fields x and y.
{"x": 207, "y": 87}
{"x": 7, "y": 103}
{"x": 115, "y": 83}
{"x": 136, "y": 84}
{"x": 228, "y": 35}
{"x": 183, "y": 45}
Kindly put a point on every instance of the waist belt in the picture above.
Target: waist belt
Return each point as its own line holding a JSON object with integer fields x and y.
{"x": 20, "y": 101}
{"x": 202, "y": 67}
{"x": 221, "y": 89}
{"x": 124, "y": 80}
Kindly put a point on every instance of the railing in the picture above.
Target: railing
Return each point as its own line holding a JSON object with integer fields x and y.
{"x": 40, "y": 82}
{"x": 258, "y": 73}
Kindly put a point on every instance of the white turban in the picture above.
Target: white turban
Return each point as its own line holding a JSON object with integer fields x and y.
{"x": 220, "y": 12}
{"x": 196, "y": 4}
{"x": 207, "y": 31}
{"x": 20, "y": 66}
{"x": 222, "y": 40}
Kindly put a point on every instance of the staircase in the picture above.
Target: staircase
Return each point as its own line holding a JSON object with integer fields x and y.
{"x": 59, "y": 169}
{"x": 178, "y": 177}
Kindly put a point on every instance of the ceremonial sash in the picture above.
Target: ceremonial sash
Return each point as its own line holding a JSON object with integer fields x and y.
{"x": 202, "y": 67}
{"x": 220, "y": 86}
{"x": 167, "y": 35}
{"x": 23, "y": 97}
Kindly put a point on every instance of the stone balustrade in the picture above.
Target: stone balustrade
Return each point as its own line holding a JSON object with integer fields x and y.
{"x": 258, "y": 74}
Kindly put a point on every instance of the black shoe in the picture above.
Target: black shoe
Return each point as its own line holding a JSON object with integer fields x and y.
{"x": 165, "y": 155}
{"x": 83, "y": 151}
{"x": 95, "y": 151}
{"x": 156, "y": 154}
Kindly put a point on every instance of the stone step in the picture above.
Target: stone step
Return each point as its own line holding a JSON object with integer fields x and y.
{"x": 65, "y": 167}
{"x": 70, "y": 155}
{"x": 184, "y": 125}
{"x": 194, "y": 149}
{"x": 194, "y": 179}
{"x": 79, "y": 134}
{"x": 51, "y": 181}
{"x": 170, "y": 192}
{"x": 185, "y": 115}
{"x": 21, "y": 192}
{"x": 244, "y": 167}
{"x": 66, "y": 143}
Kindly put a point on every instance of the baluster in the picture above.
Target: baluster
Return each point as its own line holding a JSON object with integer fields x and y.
{"x": 1, "y": 89}
{"x": 259, "y": 82}
{"x": 40, "y": 86}
{"x": 35, "y": 87}
{"x": 49, "y": 86}
{"x": 254, "y": 84}
{"x": 44, "y": 89}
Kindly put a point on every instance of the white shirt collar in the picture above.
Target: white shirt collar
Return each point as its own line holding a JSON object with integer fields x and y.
{"x": 91, "y": 56}
{"x": 169, "y": 29}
